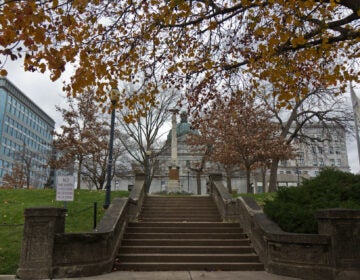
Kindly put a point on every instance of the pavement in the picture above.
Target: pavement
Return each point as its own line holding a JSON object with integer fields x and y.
{"x": 179, "y": 275}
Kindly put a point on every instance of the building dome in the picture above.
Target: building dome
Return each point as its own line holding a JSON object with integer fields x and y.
{"x": 183, "y": 128}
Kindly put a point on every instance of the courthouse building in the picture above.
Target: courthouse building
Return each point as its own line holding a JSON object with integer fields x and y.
{"x": 25, "y": 135}
{"x": 310, "y": 158}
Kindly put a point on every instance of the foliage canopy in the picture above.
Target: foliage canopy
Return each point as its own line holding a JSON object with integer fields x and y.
{"x": 202, "y": 43}
{"x": 294, "y": 208}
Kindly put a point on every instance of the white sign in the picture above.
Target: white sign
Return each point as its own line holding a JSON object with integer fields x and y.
{"x": 65, "y": 188}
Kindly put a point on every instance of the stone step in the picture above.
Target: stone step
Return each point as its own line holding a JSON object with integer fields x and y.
{"x": 178, "y": 198}
{"x": 203, "y": 224}
{"x": 154, "y": 266}
{"x": 186, "y": 250}
{"x": 184, "y": 209}
{"x": 180, "y": 215}
{"x": 179, "y": 206}
{"x": 189, "y": 258}
{"x": 183, "y": 230}
{"x": 180, "y": 219}
{"x": 184, "y": 235}
{"x": 185, "y": 242}
{"x": 171, "y": 202}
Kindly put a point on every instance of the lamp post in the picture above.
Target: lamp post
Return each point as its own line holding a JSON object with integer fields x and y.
{"x": 114, "y": 97}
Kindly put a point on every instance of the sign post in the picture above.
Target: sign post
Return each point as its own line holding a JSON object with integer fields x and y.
{"x": 65, "y": 189}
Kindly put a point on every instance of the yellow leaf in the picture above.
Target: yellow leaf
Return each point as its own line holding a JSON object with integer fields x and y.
{"x": 3, "y": 72}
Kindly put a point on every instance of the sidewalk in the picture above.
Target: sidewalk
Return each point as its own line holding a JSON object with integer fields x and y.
{"x": 180, "y": 275}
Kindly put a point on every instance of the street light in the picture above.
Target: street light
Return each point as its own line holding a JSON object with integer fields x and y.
{"x": 114, "y": 97}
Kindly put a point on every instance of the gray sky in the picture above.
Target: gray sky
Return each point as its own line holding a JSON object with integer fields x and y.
{"x": 46, "y": 94}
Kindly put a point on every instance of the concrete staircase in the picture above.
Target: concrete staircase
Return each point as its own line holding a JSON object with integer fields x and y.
{"x": 184, "y": 233}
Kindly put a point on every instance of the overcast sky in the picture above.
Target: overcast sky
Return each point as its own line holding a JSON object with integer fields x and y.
{"x": 47, "y": 94}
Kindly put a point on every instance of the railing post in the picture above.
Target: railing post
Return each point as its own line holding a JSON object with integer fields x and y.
{"x": 41, "y": 225}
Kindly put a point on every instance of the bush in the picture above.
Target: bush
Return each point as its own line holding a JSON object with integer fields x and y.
{"x": 293, "y": 209}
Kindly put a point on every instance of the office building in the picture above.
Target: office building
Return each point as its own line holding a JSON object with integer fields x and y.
{"x": 25, "y": 136}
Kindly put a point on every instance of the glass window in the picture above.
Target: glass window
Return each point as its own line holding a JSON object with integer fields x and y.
{"x": 300, "y": 158}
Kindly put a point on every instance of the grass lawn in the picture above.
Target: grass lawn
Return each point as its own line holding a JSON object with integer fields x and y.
{"x": 13, "y": 202}
{"x": 259, "y": 197}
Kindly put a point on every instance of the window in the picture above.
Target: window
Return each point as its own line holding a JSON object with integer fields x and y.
{"x": 321, "y": 162}
{"x": 331, "y": 150}
{"x": 320, "y": 149}
{"x": 338, "y": 162}
{"x": 315, "y": 162}
{"x": 300, "y": 158}
{"x": 332, "y": 162}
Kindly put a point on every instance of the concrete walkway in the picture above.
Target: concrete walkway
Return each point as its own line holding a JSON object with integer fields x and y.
{"x": 180, "y": 275}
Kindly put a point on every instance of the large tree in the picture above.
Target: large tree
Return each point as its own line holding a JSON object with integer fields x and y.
{"x": 95, "y": 163}
{"x": 325, "y": 107}
{"x": 81, "y": 135}
{"x": 240, "y": 132}
{"x": 202, "y": 41}
{"x": 141, "y": 137}
{"x": 25, "y": 162}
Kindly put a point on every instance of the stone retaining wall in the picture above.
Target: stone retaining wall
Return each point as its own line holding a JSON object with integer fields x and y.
{"x": 334, "y": 253}
{"x": 48, "y": 252}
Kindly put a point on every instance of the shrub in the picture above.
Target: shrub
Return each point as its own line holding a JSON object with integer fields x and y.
{"x": 293, "y": 209}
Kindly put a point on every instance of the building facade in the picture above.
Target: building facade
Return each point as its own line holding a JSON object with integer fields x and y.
{"x": 188, "y": 159}
{"x": 328, "y": 151}
{"x": 25, "y": 136}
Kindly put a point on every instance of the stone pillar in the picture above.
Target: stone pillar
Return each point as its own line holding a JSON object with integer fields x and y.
{"x": 174, "y": 183}
{"x": 343, "y": 227}
{"x": 174, "y": 161}
{"x": 41, "y": 225}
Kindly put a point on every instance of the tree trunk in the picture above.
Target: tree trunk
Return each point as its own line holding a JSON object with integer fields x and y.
{"x": 28, "y": 179}
{"x": 78, "y": 183}
{"x": 198, "y": 181}
{"x": 273, "y": 175}
{"x": 228, "y": 183}
{"x": 263, "y": 178}
{"x": 248, "y": 177}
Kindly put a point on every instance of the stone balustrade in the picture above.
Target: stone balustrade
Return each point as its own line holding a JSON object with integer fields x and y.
{"x": 334, "y": 253}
